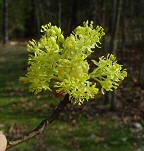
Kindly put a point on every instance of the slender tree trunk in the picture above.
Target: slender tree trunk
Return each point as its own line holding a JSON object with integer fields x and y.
{"x": 5, "y": 22}
{"x": 123, "y": 29}
{"x": 103, "y": 24}
{"x": 141, "y": 71}
{"x": 142, "y": 27}
{"x": 37, "y": 14}
{"x": 41, "y": 10}
{"x": 113, "y": 43}
{"x": 92, "y": 10}
{"x": 115, "y": 25}
{"x": 132, "y": 26}
{"x": 31, "y": 24}
{"x": 74, "y": 15}
{"x": 107, "y": 95}
{"x": 59, "y": 13}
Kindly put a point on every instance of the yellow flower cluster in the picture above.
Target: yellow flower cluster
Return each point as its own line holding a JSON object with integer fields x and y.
{"x": 63, "y": 61}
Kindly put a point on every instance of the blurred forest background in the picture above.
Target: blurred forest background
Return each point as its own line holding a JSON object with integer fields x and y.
{"x": 114, "y": 122}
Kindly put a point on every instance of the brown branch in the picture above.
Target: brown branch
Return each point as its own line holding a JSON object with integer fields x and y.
{"x": 39, "y": 129}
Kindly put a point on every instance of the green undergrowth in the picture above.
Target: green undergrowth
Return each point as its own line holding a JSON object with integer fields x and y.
{"x": 21, "y": 111}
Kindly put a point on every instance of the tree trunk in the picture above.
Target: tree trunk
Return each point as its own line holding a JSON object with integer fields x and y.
{"x": 123, "y": 29}
{"x": 5, "y": 22}
{"x": 59, "y": 13}
{"x": 107, "y": 95}
{"x": 115, "y": 25}
{"x": 92, "y": 11}
{"x": 141, "y": 71}
{"x": 31, "y": 25}
{"x": 132, "y": 23}
{"x": 113, "y": 43}
{"x": 74, "y": 15}
{"x": 103, "y": 25}
{"x": 41, "y": 11}
{"x": 37, "y": 14}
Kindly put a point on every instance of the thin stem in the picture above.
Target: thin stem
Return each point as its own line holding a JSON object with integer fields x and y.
{"x": 39, "y": 129}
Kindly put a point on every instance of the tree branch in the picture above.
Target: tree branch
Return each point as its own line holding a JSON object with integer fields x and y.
{"x": 39, "y": 129}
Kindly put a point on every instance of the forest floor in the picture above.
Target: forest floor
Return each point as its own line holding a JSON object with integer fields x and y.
{"x": 90, "y": 127}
